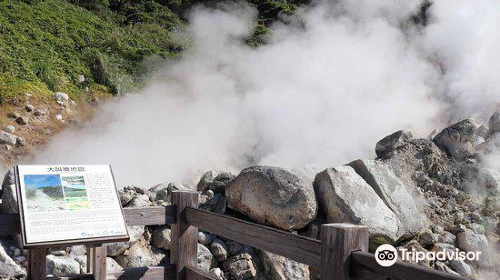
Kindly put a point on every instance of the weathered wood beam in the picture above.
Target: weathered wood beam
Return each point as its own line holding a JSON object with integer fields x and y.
{"x": 296, "y": 247}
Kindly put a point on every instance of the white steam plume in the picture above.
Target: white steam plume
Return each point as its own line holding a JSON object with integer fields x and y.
{"x": 463, "y": 37}
{"x": 324, "y": 90}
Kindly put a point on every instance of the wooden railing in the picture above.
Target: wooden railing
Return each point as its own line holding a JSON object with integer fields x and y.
{"x": 341, "y": 254}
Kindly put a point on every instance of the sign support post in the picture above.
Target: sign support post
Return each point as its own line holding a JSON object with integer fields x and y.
{"x": 37, "y": 263}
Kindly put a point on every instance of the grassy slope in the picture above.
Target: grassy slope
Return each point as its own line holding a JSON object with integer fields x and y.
{"x": 45, "y": 45}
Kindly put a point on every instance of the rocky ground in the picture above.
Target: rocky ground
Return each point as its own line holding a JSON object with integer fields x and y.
{"x": 28, "y": 123}
{"x": 427, "y": 194}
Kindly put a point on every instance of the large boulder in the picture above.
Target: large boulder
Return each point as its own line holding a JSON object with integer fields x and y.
{"x": 345, "y": 197}
{"x": 393, "y": 192}
{"x": 7, "y": 138}
{"x": 494, "y": 122}
{"x": 215, "y": 181}
{"x": 138, "y": 256}
{"x": 9, "y": 195}
{"x": 460, "y": 139}
{"x": 62, "y": 265}
{"x": 8, "y": 268}
{"x": 117, "y": 248}
{"x": 163, "y": 194}
{"x": 162, "y": 238}
{"x": 471, "y": 242}
{"x": 112, "y": 265}
{"x": 272, "y": 195}
{"x": 205, "y": 259}
{"x": 280, "y": 268}
{"x": 241, "y": 267}
{"x": 392, "y": 142}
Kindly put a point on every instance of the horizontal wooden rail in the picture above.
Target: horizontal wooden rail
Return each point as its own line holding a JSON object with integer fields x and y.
{"x": 144, "y": 216}
{"x": 149, "y": 216}
{"x": 194, "y": 273}
{"x": 296, "y": 247}
{"x": 140, "y": 273}
{"x": 365, "y": 266}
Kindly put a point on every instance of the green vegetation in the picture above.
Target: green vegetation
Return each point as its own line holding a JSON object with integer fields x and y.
{"x": 54, "y": 192}
{"x": 73, "y": 192}
{"x": 45, "y": 45}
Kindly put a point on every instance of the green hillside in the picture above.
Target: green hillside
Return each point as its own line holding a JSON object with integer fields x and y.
{"x": 46, "y": 45}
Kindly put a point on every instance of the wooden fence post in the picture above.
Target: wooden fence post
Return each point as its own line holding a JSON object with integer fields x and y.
{"x": 184, "y": 246}
{"x": 337, "y": 243}
{"x": 96, "y": 261}
{"x": 37, "y": 263}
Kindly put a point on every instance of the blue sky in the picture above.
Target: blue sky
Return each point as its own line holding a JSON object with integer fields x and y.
{"x": 40, "y": 181}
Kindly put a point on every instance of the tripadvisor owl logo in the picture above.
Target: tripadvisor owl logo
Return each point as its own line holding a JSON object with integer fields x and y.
{"x": 386, "y": 255}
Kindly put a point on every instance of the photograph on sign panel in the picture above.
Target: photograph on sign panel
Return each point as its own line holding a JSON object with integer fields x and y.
{"x": 75, "y": 193}
{"x": 44, "y": 193}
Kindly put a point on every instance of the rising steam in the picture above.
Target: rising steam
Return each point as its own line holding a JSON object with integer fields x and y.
{"x": 332, "y": 81}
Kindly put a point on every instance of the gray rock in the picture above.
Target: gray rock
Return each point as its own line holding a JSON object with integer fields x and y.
{"x": 39, "y": 112}
{"x": 281, "y": 268}
{"x": 205, "y": 259}
{"x": 476, "y": 228}
{"x": 443, "y": 247}
{"x": 471, "y": 242}
{"x": 345, "y": 197}
{"x": 240, "y": 267}
{"x": 460, "y": 139}
{"x": 137, "y": 256}
{"x": 22, "y": 120}
{"x": 233, "y": 247}
{"x": 118, "y": 248}
{"x": 219, "y": 250}
{"x": 393, "y": 192}
{"x": 427, "y": 237}
{"x": 205, "y": 238}
{"x": 60, "y": 266}
{"x": 29, "y": 108}
{"x": 7, "y": 138}
{"x": 58, "y": 251}
{"x": 8, "y": 267}
{"x": 17, "y": 252}
{"x": 215, "y": 181}
{"x": 78, "y": 250}
{"x": 217, "y": 204}
{"x": 112, "y": 265}
{"x": 443, "y": 267}
{"x": 461, "y": 267}
{"x": 162, "y": 238}
{"x": 128, "y": 193}
{"x": 9, "y": 195}
{"x": 141, "y": 200}
{"x": 392, "y": 142}
{"x": 82, "y": 260}
{"x": 10, "y": 129}
{"x": 20, "y": 141}
{"x": 165, "y": 193}
{"x": 271, "y": 195}
{"x": 13, "y": 115}
{"x": 217, "y": 273}
{"x": 61, "y": 97}
{"x": 448, "y": 237}
{"x": 494, "y": 123}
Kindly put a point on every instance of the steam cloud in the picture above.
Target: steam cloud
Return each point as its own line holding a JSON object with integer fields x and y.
{"x": 332, "y": 80}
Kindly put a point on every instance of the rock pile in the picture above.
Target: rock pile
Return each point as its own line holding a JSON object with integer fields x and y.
{"x": 416, "y": 195}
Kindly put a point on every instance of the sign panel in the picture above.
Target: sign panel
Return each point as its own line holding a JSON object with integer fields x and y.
{"x": 69, "y": 204}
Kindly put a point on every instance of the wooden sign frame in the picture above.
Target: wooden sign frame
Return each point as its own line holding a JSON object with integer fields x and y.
{"x": 88, "y": 241}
